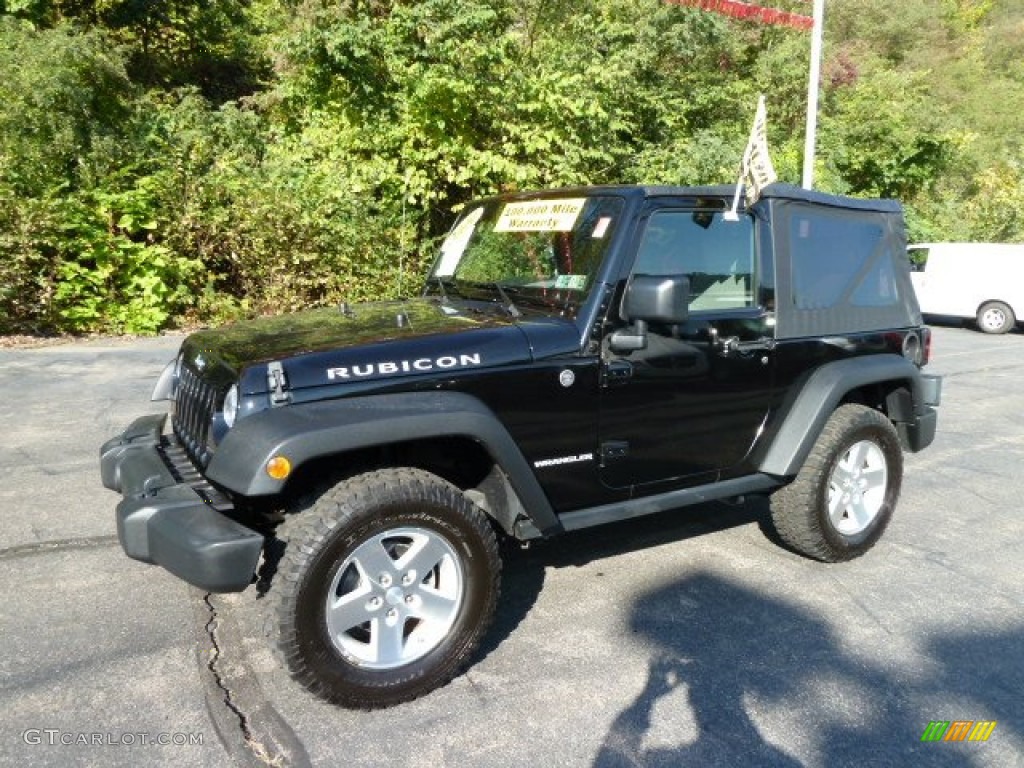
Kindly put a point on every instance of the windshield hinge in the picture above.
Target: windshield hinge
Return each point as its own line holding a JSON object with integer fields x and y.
{"x": 278, "y": 383}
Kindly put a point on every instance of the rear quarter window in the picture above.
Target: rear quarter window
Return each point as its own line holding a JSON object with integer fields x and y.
{"x": 840, "y": 260}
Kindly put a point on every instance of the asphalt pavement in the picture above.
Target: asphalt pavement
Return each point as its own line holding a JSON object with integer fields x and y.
{"x": 690, "y": 638}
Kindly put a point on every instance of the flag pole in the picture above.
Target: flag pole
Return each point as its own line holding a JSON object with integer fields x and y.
{"x": 813, "y": 82}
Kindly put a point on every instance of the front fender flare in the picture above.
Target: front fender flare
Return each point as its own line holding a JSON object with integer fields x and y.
{"x": 312, "y": 430}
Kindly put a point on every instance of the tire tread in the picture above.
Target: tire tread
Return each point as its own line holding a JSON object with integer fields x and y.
{"x": 795, "y": 507}
{"x": 307, "y": 529}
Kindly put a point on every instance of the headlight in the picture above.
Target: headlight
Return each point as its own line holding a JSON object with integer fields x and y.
{"x": 167, "y": 384}
{"x": 231, "y": 405}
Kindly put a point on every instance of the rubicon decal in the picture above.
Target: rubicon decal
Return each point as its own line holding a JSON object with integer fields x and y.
{"x": 390, "y": 367}
{"x": 564, "y": 460}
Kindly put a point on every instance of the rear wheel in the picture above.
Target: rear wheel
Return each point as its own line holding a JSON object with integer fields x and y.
{"x": 386, "y": 586}
{"x": 995, "y": 317}
{"x": 844, "y": 496}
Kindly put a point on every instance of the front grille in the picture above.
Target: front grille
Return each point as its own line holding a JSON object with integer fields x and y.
{"x": 194, "y": 404}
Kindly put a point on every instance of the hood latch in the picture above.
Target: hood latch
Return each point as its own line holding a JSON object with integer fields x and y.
{"x": 278, "y": 383}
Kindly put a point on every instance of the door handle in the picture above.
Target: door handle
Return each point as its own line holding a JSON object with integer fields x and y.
{"x": 731, "y": 345}
{"x": 758, "y": 345}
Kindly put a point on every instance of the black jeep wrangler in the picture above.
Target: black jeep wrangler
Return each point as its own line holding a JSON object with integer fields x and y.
{"x": 576, "y": 357}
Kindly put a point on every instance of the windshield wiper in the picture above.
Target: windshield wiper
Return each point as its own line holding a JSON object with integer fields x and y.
{"x": 441, "y": 289}
{"x": 511, "y": 308}
{"x": 454, "y": 285}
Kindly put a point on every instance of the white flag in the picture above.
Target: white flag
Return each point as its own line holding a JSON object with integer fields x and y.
{"x": 756, "y": 171}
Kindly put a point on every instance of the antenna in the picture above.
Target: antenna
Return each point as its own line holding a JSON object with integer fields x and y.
{"x": 401, "y": 240}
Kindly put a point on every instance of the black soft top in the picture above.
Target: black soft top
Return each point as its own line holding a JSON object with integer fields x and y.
{"x": 777, "y": 191}
{"x": 840, "y": 262}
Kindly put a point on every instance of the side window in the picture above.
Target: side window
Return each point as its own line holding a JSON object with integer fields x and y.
{"x": 839, "y": 259}
{"x": 918, "y": 259}
{"x": 717, "y": 256}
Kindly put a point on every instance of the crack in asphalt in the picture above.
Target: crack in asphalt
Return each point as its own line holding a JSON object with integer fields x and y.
{"x": 267, "y": 740}
{"x": 252, "y": 741}
{"x": 211, "y": 630}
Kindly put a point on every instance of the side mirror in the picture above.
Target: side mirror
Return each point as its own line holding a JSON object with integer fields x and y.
{"x": 657, "y": 299}
{"x": 651, "y": 298}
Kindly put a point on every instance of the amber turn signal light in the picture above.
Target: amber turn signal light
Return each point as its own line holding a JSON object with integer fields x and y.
{"x": 279, "y": 467}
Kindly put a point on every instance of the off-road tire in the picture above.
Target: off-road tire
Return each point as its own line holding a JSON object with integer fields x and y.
{"x": 378, "y": 521}
{"x": 854, "y": 435}
{"x": 995, "y": 317}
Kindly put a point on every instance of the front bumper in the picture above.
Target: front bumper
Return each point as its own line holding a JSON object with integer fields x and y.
{"x": 171, "y": 523}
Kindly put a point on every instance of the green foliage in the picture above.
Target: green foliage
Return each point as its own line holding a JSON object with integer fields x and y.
{"x": 472, "y": 97}
{"x": 283, "y": 222}
{"x": 64, "y": 97}
{"x": 879, "y": 138}
{"x": 967, "y": 15}
{"x": 80, "y": 239}
{"x": 189, "y": 160}
{"x": 119, "y": 278}
{"x": 212, "y": 44}
{"x": 507, "y": 257}
{"x": 897, "y": 36}
{"x": 996, "y": 211}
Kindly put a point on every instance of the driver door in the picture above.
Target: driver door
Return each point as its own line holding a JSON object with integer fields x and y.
{"x": 688, "y": 406}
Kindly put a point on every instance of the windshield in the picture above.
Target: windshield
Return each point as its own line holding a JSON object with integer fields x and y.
{"x": 528, "y": 253}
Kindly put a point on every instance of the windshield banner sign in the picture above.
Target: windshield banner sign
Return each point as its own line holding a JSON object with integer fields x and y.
{"x": 540, "y": 215}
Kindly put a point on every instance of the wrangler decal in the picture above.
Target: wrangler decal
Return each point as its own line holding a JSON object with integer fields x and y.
{"x": 563, "y": 460}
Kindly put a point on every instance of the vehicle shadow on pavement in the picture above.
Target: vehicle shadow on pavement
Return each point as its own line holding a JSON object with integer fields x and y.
{"x": 581, "y": 547}
{"x": 522, "y": 580}
{"x": 523, "y": 567}
{"x": 735, "y": 652}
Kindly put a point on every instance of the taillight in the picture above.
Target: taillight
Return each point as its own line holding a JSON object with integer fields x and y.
{"x": 926, "y": 337}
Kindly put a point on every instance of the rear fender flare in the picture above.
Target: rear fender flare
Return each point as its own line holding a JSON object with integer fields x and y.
{"x": 805, "y": 413}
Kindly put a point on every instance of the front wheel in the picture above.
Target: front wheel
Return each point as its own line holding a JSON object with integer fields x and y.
{"x": 844, "y": 496}
{"x": 385, "y": 589}
{"x": 996, "y": 317}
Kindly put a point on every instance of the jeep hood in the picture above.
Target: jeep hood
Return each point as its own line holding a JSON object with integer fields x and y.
{"x": 385, "y": 340}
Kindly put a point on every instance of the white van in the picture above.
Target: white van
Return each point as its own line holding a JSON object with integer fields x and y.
{"x": 982, "y": 281}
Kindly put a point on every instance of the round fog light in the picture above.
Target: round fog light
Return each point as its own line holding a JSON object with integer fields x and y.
{"x": 279, "y": 467}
